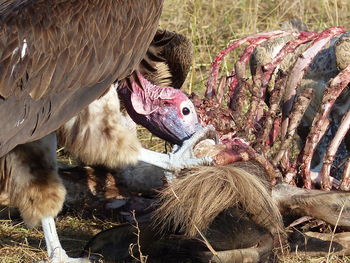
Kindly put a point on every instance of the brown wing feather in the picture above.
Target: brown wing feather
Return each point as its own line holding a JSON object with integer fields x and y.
{"x": 58, "y": 56}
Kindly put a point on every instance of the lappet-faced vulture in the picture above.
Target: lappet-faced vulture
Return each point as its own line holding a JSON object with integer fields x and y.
{"x": 56, "y": 57}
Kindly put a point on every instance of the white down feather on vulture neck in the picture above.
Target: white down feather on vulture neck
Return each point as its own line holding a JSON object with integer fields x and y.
{"x": 101, "y": 134}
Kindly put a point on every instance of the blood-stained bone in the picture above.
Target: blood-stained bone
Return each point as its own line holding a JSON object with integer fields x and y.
{"x": 332, "y": 149}
{"x": 298, "y": 111}
{"x": 258, "y": 38}
{"x": 321, "y": 121}
{"x": 300, "y": 67}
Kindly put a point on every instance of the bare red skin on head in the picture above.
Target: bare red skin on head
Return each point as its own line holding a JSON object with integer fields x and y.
{"x": 150, "y": 97}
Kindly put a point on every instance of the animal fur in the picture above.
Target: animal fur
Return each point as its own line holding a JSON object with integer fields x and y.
{"x": 178, "y": 56}
{"x": 192, "y": 203}
{"x": 101, "y": 134}
{"x": 59, "y": 56}
{"x": 332, "y": 207}
{"x": 234, "y": 237}
{"x": 230, "y": 205}
{"x": 56, "y": 58}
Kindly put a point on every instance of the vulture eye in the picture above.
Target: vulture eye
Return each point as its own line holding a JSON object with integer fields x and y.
{"x": 185, "y": 111}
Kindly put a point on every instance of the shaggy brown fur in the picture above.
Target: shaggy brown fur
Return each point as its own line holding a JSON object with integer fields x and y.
{"x": 231, "y": 205}
{"x": 161, "y": 77}
{"x": 178, "y": 55}
{"x": 59, "y": 56}
{"x": 29, "y": 180}
{"x": 195, "y": 200}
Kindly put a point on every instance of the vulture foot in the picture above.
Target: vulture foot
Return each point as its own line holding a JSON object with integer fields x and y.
{"x": 54, "y": 249}
{"x": 184, "y": 157}
{"x": 60, "y": 256}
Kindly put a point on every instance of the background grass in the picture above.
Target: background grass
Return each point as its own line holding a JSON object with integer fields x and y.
{"x": 210, "y": 24}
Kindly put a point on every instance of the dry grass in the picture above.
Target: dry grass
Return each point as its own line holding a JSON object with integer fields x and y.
{"x": 21, "y": 244}
{"x": 299, "y": 258}
{"x": 210, "y": 24}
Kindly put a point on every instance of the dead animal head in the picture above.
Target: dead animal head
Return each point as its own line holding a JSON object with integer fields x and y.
{"x": 233, "y": 236}
{"x": 213, "y": 214}
{"x": 192, "y": 203}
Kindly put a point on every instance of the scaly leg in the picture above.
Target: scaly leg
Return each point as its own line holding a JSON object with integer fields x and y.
{"x": 182, "y": 156}
{"x": 54, "y": 249}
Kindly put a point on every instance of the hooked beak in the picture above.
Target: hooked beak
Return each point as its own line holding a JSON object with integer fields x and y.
{"x": 171, "y": 128}
{"x": 176, "y": 131}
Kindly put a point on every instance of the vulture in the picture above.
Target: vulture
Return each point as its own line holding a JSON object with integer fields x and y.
{"x": 56, "y": 58}
{"x": 110, "y": 120}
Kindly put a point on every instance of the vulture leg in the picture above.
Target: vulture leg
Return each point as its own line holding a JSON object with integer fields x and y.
{"x": 182, "y": 156}
{"x": 31, "y": 183}
{"x": 54, "y": 249}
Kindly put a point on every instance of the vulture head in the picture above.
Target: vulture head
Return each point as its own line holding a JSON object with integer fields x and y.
{"x": 166, "y": 112}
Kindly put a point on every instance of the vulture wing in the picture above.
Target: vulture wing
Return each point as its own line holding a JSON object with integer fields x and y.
{"x": 57, "y": 56}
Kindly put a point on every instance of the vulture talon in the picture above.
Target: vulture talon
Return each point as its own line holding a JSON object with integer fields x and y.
{"x": 184, "y": 157}
{"x": 60, "y": 256}
{"x": 55, "y": 251}
{"x": 180, "y": 161}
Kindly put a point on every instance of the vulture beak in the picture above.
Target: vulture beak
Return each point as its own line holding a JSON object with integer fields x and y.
{"x": 166, "y": 112}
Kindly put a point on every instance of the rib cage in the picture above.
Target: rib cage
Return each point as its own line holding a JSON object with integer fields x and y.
{"x": 289, "y": 71}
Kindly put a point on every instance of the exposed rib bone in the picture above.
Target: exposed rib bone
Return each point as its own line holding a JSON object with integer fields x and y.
{"x": 299, "y": 109}
{"x": 332, "y": 149}
{"x": 221, "y": 89}
{"x": 345, "y": 182}
{"x": 237, "y": 97}
{"x": 321, "y": 122}
{"x": 303, "y": 37}
{"x": 257, "y": 90}
{"x": 255, "y": 113}
{"x": 212, "y": 81}
{"x": 232, "y": 85}
{"x": 275, "y": 99}
{"x": 299, "y": 68}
